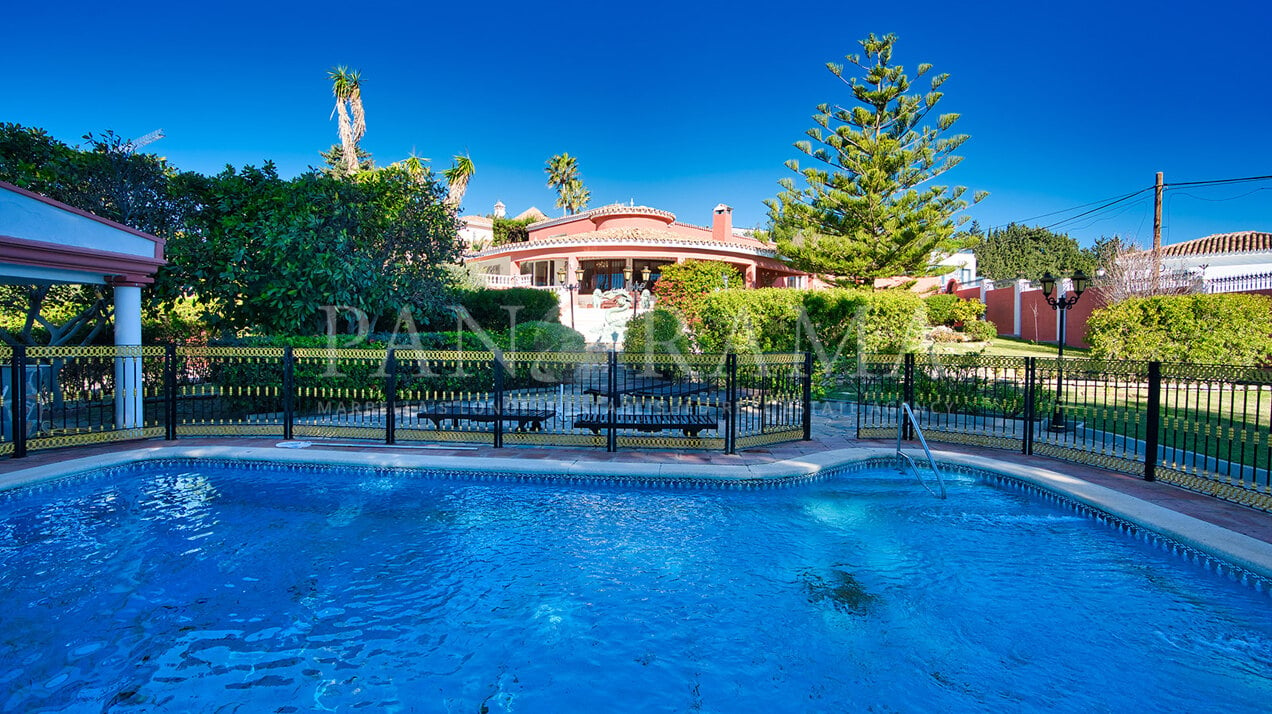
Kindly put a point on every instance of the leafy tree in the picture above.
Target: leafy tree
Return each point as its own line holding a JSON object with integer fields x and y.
{"x": 32, "y": 159}
{"x": 867, "y": 208}
{"x": 1021, "y": 252}
{"x": 563, "y": 175}
{"x": 52, "y": 314}
{"x": 105, "y": 177}
{"x": 267, "y": 254}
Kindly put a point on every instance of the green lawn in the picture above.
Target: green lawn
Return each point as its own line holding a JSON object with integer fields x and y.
{"x": 1005, "y": 347}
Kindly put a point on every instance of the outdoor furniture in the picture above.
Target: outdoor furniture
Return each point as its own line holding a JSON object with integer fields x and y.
{"x": 531, "y": 418}
{"x": 690, "y": 424}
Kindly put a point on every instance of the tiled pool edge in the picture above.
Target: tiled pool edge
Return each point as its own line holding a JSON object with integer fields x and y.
{"x": 1206, "y": 539}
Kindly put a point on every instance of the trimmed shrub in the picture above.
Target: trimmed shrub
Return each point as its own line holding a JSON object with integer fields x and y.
{"x": 657, "y": 331}
{"x": 1231, "y": 328}
{"x": 940, "y": 309}
{"x": 827, "y": 322}
{"x": 950, "y": 310}
{"x": 893, "y": 322}
{"x": 548, "y": 337}
{"x": 490, "y": 308}
{"x": 980, "y": 330}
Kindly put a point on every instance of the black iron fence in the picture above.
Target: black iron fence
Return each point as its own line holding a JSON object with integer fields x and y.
{"x": 57, "y": 396}
{"x": 1204, "y": 427}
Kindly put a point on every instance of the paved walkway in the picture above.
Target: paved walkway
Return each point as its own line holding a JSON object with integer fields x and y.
{"x": 828, "y": 434}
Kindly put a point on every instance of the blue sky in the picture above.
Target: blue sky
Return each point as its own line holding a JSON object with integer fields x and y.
{"x": 680, "y": 105}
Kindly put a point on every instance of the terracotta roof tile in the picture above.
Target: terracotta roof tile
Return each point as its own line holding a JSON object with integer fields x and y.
{"x": 1242, "y": 242}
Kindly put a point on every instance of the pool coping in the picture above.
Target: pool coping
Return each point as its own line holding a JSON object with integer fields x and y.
{"x": 1242, "y": 551}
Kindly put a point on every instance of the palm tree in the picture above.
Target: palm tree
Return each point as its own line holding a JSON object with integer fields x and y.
{"x": 575, "y": 196}
{"x": 563, "y": 175}
{"x": 457, "y": 178}
{"x": 415, "y": 167}
{"x": 346, "y": 85}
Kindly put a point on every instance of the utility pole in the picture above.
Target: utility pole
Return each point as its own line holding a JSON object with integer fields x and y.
{"x": 1157, "y": 233}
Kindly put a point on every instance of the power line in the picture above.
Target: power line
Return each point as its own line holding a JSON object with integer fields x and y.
{"x": 1074, "y": 208}
{"x": 1218, "y": 181}
{"x": 1221, "y": 200}
{"x": 1108, "y": 203}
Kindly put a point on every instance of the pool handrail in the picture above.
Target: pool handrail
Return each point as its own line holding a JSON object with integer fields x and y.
{"x": 907, "y": 413}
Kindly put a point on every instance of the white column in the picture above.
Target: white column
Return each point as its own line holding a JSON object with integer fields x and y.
{"x": 1016, "y": 289}
{"x": 128, "y": 387}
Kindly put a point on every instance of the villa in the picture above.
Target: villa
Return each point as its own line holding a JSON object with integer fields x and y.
{"x": 595, "y": 249}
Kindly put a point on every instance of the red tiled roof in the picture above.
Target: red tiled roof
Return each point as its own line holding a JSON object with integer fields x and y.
{"x": 1242, "y": 242}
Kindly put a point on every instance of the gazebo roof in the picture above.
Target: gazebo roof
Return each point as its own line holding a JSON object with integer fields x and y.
{"x": 43, "y": 240}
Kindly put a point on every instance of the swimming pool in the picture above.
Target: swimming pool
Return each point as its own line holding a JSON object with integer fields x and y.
{"x": 196, "y": 586}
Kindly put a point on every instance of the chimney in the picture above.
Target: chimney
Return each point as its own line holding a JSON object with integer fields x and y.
{"x": 500, "y": 209}
{"x": 722, "y": 223}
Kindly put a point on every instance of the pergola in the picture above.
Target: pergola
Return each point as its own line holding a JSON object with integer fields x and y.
{"x": 46, "y": 241}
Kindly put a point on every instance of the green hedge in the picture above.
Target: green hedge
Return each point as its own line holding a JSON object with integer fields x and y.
{"x": 950, "y": 310}
{"x": 1223, "y": 329}
{"x": 780, "y": 320}
{"x": 549, "y": 337}
{"x": 488, "y": 307}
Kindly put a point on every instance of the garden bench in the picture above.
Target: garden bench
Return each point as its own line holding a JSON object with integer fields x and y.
{"x": 690, "y": 424}
{"x": 532, "y": 418}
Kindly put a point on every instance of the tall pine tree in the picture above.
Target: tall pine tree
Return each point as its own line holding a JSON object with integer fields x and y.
{"x": 867, "y": 207}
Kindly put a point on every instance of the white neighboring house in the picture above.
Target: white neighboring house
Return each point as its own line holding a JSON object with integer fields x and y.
{"x": 477, "y": 233}
{"x": 962, "y": 268}
{"x": 1225, "y": 262}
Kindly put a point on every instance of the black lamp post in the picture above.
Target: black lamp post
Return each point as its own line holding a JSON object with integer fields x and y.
{"x": 1061, "y": 305}
{"x": 578, "y": 280}
{"x": 636, "y": 286}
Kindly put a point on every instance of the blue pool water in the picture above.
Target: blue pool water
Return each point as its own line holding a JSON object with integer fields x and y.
{"x": 205, "y": 588}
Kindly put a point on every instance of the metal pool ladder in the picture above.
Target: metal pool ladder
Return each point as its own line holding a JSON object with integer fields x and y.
{"x": 907, "y": 413}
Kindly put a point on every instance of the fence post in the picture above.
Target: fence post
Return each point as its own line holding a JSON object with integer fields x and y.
{"x": 17, "y": 417}
{"x": 289, "y": 391}
{"x": 1031, "y": 404}
{"x": 611, "y": 431}
{"x": 499, "y": 397}
{"x": 1153, "y": 420}
{"x": 859, "y": 385}
{"x": 907, "y": 394}
{"x": 390, "y": 397}
{"x": 730, "y": 403}
{"x": 170, "y": 391}
{"x": 808, "y": 397}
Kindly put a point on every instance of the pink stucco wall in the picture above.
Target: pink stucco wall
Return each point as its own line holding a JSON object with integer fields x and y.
{"x": 649, "y": 222}
{"x": 1000, "y": 309}
{"x": 1037, "y": 319}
